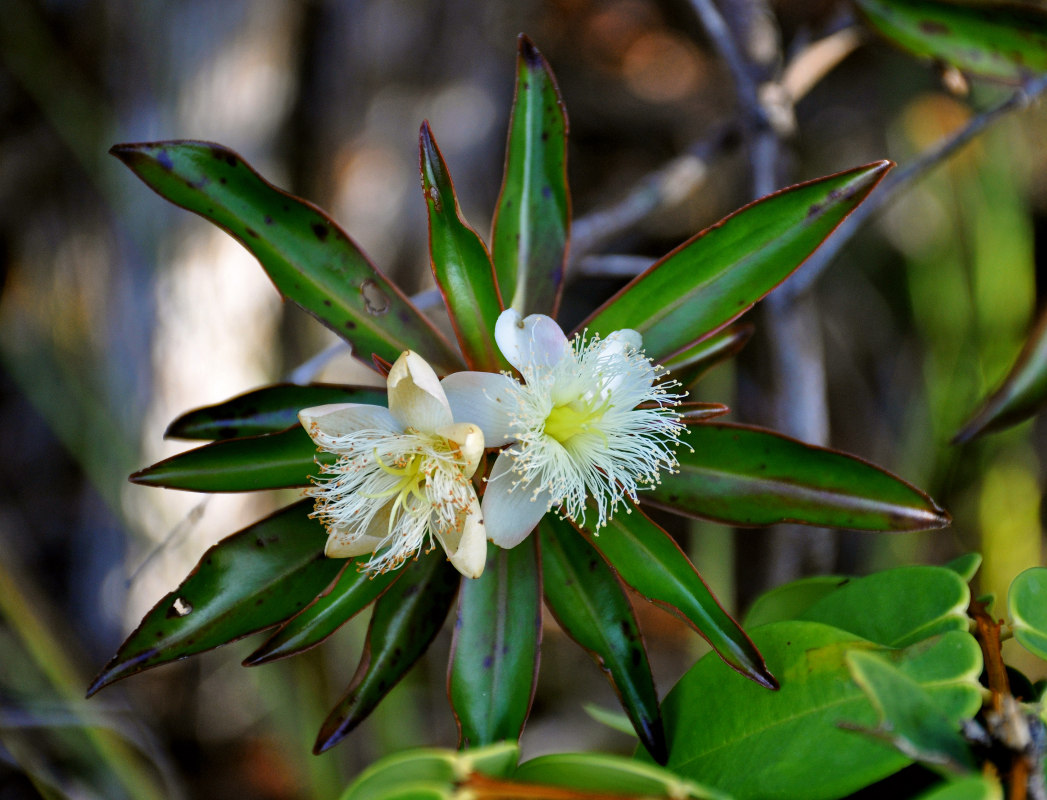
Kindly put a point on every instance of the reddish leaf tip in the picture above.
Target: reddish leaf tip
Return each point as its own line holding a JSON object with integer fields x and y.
{"x": 528, "y": 51}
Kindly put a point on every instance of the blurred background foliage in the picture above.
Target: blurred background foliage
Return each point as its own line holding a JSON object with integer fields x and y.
{"x": 118, "y": 312}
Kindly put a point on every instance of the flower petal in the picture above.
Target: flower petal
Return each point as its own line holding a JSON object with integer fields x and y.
{"x": 416, "y": 399}
{"x": 470, "y": 441}
{"x": 482, "y": 398}
{"x": 342, "y": 419}
{"x": 467, "y": 548}
{"x": 536, "y": 342}
{"x": 511, "y": 513}
{"x": 343, "y": 544}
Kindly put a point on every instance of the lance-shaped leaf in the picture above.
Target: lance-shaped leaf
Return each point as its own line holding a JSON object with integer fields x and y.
{"x": 747, "y": 476}
{"x": 404, "y": 623}
{"x": 270, "y": 461}
{"x": 266, "y": 410}
{"x": 589, "y": 603}
{"x": 308, "y": 257}
{"x": 1023, "y": 392}
{"x": 249, "y": 581}
{"x": 719, "y": 274}
{"x": 1003, "y": 42}
{"x": 354, "y": 590}
{"x": 693, "y": 362}
{"x": 647, "y": 558}
{"x": 529, "y": 238}
{"x": 461, "y": 264}
{"x": 1027, "y": 606}
{"x": 494, "y": 657}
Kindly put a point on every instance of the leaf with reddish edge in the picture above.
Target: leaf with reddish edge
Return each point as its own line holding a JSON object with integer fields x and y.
{"x": 404, "y": 623}
{"x": 588, "y": 601}
{"x": 309, "y": 258}
{"x": 532, "y": 220}
{"x": 748, "y": 476}
{"x": 247, "y": 582}
{"x": 461, "y": 265}
{"x": 651, "y": 562}
{"x": 494, "y": 657}
{"x": 717, "y": 275}
{"x": 693, "y": 413}
{"x": 1022, "y": 394}
{"x": 354, "y": 590}
{"x": 690, "y": 364}
{"x": 266, "y": 410}
{"x": 1002, "y": 42}
{"x": 271, "y": 461}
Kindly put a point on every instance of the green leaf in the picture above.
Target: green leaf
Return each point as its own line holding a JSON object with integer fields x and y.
{"x": 690, "y": 364}
{"x": 431, "y": 765}
{"x": 247, "y": 582}
{"x": 729, "y": 733}
{"x": 616, "y": 775}
{"x": 270, "y": 461}
{"x": 791, "y": 600}
{"x": 748, "y": 476}
{"x": 266, "y": 410}
{"x": 308, "y": 257}
{"x": 966, "y": 566}
{"x": 589, "y": 603}
{"x": 461, "y": 265}
{"x": 1027, "y": 607}
{"x": 494, "y": 658}
{"x": 355, "y": 589}
{"x": 974, "y": 787}
{"x": 1000, "y": 42}
{"x": 897, "y": 607}
{"x": 529, "y": 238}
{"x": 714, "y": 277}
{"x": 909, "y": 718}
{"x": 1021, "y": 395}
{"x": 651, "y": 562}
{"x": 404, "y": 623}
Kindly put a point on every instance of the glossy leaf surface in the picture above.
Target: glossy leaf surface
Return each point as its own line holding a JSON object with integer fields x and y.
{"x": 461, "y": 264}
{"x": 494, "y": 658}
{"x": 529, "y": 239}
{"x": 354, "y": 590}
{"x": 430, "y": 765}
{"x": 615, "y": 775}
{"x": 1027, "y": 607}
{"x": 271, "y": 461}
{"x": 310, "y": 259}
{"x": 719, "y": 274}
{"x": 935, "y": 601}
{"x": 748, "y": 476}
{"x": 1022, "y": 394}
{"x": 405, "y": 621}
{"x": 589, "y": 603}
{"x": 690, "y": 364}
{"x": 266, "y": 410}
{"x": 790, "y": 600}
{"x": 651, "y": 562}
{"x": 1004, "y": 42}
{"x": 727, "y": 732}
{"x": 909, "y": 718}
{"x": 249, "y": 581}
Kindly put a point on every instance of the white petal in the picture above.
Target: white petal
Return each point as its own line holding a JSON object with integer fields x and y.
{"x": 343, "y": 544}
{"x": 342, "y": 419}
{"x": 625, "y": 339}
{"x": 416, "y": 399}
{"x": 535, "y": 342}
{"x": 510, "y": 514}
{"x": 467, "y": 549}
{"x": 482, "y": 398}
{"x": 470, "y": 441}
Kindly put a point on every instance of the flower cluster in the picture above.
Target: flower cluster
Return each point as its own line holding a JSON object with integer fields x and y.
{"x": 589, "y": 424}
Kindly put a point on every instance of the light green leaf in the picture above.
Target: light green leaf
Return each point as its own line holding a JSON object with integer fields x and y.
{"x": 1027, "y": 607}
{"x": 791, "y": 600}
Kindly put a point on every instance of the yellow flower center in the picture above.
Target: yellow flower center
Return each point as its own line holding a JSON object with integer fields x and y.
{"x": 567, "y": 420}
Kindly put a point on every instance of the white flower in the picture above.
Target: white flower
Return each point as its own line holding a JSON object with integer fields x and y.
{"x": 575, "y": 421}
{"x": 403, "y": 474}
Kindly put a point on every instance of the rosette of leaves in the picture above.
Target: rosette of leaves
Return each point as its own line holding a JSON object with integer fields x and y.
{"x": 274, "y": 576}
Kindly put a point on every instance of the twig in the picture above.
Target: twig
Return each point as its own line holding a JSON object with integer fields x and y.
{"x": 805, "y": 278}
